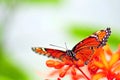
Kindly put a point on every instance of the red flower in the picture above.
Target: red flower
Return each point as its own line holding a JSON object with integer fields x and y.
{"x": 107, "y": 64}
{"x": 67, "y": 67}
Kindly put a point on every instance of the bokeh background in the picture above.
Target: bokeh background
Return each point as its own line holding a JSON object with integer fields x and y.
{"x": 38, "y": 23}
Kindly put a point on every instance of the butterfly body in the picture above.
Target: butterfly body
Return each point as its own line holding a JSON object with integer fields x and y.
{"x": 84, "y": 50}
{"x": 71, "y": 54}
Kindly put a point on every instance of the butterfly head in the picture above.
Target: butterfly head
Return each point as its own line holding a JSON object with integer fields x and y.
{"x": 71, "y": 54}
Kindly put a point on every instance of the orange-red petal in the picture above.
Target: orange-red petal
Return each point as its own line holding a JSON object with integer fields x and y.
{"x": 73, "y": 71}
{"x": 104, "y": 60}
{"x": 64, "y": 71}
{"x": 108, "y": 50}
{"x": 98, "y": 76}
{"x": 117, "y": 68}
{"x": 50, "y": 63}
{"x": 114, "y": 59}
{"x": 58, "y": 65}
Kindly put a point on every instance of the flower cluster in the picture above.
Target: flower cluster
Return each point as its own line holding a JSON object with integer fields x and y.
{"x": 104, "y": 64}
{"x": 65, "y": 67}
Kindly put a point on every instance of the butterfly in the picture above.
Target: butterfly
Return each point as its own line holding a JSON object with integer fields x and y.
{"x": 82, "y": 50}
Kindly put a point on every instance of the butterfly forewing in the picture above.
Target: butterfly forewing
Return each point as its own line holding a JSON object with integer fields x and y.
{"x": 50, "y": 52}
{"x": 88, "y": 42}
{"x": 85, "y": 49}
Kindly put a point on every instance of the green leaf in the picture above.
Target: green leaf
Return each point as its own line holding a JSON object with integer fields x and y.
{"x": 31, "y": 1}
{"x": 39, "y": 1}
{"x": 8, "y": 70}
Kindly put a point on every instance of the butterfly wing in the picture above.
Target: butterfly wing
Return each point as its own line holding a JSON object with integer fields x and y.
{"x": 59, "y": 54}
{"x": 85, "y": 49}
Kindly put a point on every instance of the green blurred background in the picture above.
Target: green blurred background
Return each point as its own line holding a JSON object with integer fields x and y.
{"x": 33, "y": 23}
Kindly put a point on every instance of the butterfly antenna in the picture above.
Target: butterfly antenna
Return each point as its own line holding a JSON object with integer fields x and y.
{"x": 56, "y": 46}
{"x": 66, "y": 46}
